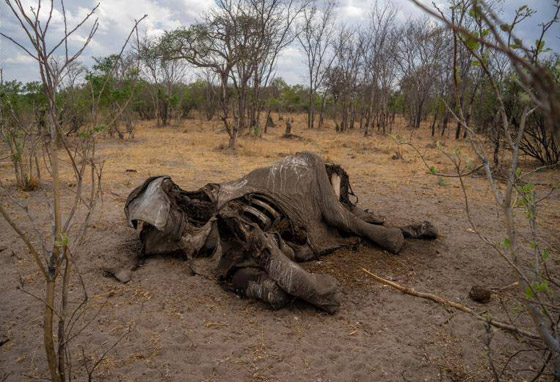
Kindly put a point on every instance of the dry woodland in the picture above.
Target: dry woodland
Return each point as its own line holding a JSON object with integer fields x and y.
{"x": 450, "y": 118}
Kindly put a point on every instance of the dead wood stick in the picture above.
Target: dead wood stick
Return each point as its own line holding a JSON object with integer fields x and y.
{"x": 444, "y": 301}
{"x": 120, "y": 197}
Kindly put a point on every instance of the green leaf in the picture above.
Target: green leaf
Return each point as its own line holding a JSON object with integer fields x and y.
{"x": 63, "y": 242}
{"x": 527, "y": 190}
{"x": 542, "y": 286}
{"x": 507, "y": 243}
{"x": 505, "y": 27}
{"x": 533, "y": 244}
{"x": 525, "y": 98}
{"x": 529, "y": 293}
{"x": 472, "y": 44}
{"x": 474, "y": 12}
{"x": 545, "y": 254}
{"x": 432, "y": 170}
{"x": 100, "y": 128}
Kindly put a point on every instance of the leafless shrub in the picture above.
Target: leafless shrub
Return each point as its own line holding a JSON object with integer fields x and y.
{"x": 526, "y": 256}
{"x": 56, "y": 258}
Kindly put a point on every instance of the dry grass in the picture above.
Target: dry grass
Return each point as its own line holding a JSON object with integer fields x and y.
{"x": 193, "y": 153}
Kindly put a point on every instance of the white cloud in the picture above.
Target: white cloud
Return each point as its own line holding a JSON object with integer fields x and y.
{"x": 19, "y": 59}
{"x": 355, "y": 11}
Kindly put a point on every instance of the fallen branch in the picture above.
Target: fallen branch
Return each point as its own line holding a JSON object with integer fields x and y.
{"x": 444, "y": 301}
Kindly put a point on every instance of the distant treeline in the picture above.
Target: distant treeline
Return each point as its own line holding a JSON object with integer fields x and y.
{"x": 358, "y": 78}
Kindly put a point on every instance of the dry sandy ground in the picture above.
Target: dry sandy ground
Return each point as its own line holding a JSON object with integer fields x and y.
{"x": 184, "y": 327}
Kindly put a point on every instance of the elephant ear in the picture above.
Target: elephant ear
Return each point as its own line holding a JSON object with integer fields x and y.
{"x": 149, "y": 203}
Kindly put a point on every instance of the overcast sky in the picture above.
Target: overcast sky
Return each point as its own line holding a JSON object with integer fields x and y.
{"x": 116, "y": 17}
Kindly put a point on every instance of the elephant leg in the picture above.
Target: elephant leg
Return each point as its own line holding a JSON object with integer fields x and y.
{"x": 337, "y": 216}
{"x": 367, "y": 216}
{"x": 256, "y": 284}
{"x": 320, "y": 290}
{"x": 264, "y": 250}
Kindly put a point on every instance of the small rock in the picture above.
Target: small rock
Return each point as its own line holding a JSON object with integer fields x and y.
{"x": 122, "y": 275}
{"x": 480, "y": 294}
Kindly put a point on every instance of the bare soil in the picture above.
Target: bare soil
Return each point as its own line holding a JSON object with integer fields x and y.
{"x": 183, "y": 327}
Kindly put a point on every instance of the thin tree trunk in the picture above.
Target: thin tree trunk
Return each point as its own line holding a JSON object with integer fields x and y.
{"x": 288, "y": 127}
{"x": 311, "y": 111}
{"x": 62, "y": 319}
{"x": 418, "y": 118}
{"x": 232, "y": 139}
{"x": 48, "y": 327}
{"x": 268, "y": 118}
{"x": 322, "y": 110}
{"x": 458, "y": 130}
{"x": 434, "y": 124}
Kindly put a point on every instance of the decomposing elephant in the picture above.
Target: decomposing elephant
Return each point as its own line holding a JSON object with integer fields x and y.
{"x": 255, "y": 229}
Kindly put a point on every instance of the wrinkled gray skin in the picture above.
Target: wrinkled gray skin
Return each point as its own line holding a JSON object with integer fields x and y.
{"x": 253, "y": 230}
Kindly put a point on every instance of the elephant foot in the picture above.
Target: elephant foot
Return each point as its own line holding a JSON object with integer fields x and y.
{"x": 392, "y": 240}
{"x": 424, "y": 230}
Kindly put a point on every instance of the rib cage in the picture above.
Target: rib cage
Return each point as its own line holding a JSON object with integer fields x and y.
{"x": 260, "y": 210}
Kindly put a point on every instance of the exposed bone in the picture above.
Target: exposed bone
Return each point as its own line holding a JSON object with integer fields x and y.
{"x": 267, "y": 207}
{"x": 335, "y": 182}
{"x": 263, "y": 219}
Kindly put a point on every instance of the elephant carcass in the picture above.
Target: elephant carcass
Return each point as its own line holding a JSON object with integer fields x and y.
{"x": 256, "y": 228}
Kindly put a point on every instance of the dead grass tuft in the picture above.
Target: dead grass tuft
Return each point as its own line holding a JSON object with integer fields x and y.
{"x": 30, "y": 183}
